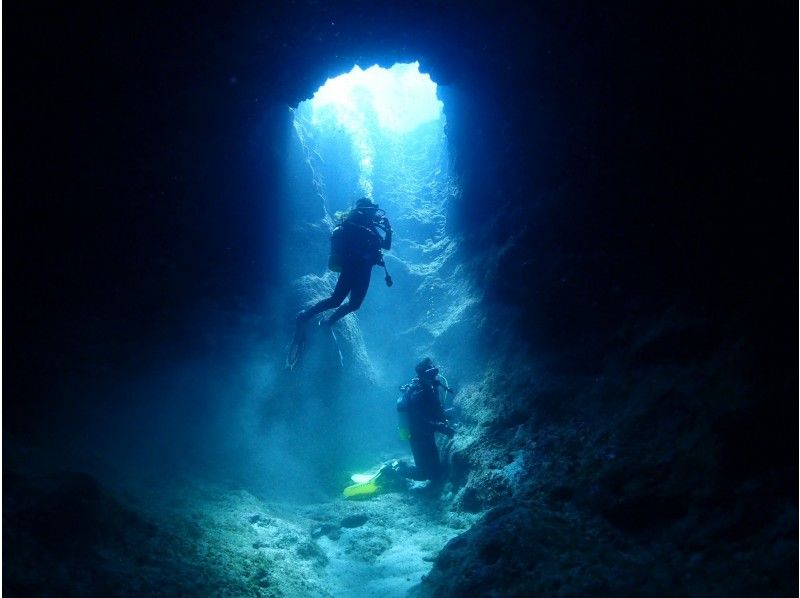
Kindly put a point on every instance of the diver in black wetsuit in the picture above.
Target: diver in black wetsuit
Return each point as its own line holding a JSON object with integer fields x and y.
{"x": 422, "y": 413}
{"x": 357, "y": 248}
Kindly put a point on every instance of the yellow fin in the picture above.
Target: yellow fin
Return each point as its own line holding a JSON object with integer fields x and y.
{"x": 364, "y": 490}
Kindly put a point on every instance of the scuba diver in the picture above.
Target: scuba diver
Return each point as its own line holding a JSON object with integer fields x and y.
{"x": 421, "y": 415}
{"x": 356, "y": 246}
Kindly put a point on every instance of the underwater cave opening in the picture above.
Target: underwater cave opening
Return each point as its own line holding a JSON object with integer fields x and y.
{"x": 377, "y": 133}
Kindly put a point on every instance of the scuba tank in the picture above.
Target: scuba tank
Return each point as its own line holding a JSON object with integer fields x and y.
{"x": 337, "y": 249}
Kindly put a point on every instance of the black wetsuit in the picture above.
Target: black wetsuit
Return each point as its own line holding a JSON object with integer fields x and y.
{"x": 425, "y": 417}
{"x": 361, "y": 250}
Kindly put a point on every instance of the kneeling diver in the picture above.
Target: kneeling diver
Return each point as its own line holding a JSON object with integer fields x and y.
{"x": 422, "y": 415}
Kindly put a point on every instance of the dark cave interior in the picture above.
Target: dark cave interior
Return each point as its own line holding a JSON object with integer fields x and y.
{"x": 627, "y": 213}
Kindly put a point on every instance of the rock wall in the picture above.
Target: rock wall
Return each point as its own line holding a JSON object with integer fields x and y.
{"x": 607, "y": 440}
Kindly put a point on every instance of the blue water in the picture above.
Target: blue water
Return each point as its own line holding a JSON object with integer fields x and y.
{"x": 348, "y": 384}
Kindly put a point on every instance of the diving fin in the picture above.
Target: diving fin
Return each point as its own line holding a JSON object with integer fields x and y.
{"x": 297, "y": 346}
{"x": 361, "y": 491}
{"x": 368, "y": 484}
